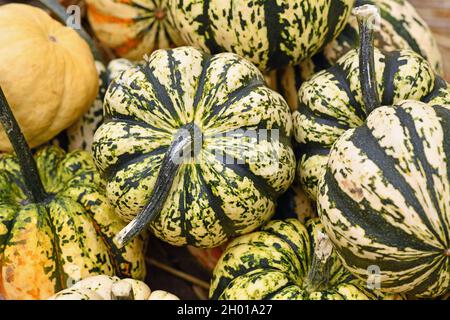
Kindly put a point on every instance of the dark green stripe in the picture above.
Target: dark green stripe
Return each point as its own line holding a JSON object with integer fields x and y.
{"x": 160, "y": 91}
{"x": 271, "y": 295}
{"x": 205, "y": 29}
{"x": 275, "y": 28}
{"x": 242, "y": 169}
{"x": 403, "y": 32}
{"x": 439, "y": 85}
{"x": 202, "y": 81}
{"x": 430, "y": 280}
{"x": 336, "y": 11}
{"x": 130, "y": 120}
{"x": 302, "y": 272}
{"x": 369, "y": 145}
{"x": 372, "y": 222}
{"x": 313, "y": 148}
{"x": 186, "y": 198}
{"x": 233, "y": 97}
{"x": 340, "y": 75}
{"x": 127, "y": 159}
{"x": 392, "y": 66}
{"x": 216, "y": 204}
{"x": 321, "y": 118}
{"x": 421, "y": 161}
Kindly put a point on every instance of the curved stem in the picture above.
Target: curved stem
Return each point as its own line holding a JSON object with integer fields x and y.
{"x": 174, "y": 157}
{"x": 319, "y": 273}
{"x": 35, "y": 190}
{"x": 60, "y": 12}
{"x": 368, "y": 19}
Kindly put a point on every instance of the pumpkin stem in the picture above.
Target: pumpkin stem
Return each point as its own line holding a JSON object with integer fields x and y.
{"x": 319, "y": 272}
{"x": 35, "y": 190}
{"x": 60, "y": 13}
{"x": 368, "y": 18}
{"x": 178, "y": 151}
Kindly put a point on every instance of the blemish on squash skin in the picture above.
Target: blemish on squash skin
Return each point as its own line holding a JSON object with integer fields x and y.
{"x": 355, "y": 191}
{"x": 52, "y": 38}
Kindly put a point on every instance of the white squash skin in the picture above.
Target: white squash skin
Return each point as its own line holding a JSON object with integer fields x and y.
{"x": 162, "y": 295}
{"x": 101, "y": 287}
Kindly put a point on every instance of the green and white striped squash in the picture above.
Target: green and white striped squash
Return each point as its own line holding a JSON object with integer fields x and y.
{"x": 332, "y": 101}
{"x": 132, "y": 28}
{"x": 385, "y": 198}
{"x": 103, "y": 287}
{"x": 271, "y": 34}
{"x": 401, "y": 27}
{"x": 56, "y": 224}
{"x": 286, "y": 260}
{"x": 231, "y": 185}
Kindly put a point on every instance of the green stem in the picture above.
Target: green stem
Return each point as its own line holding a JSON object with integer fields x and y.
{"x": 35, "y": 190}
{"x": 368, "y": 16}
{"x": 182, "y": 145}
{"x": 60, "y": 12}
{"x": 318, "y": 278}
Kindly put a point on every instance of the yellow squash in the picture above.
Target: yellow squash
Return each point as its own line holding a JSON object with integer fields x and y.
{"x": 47, "y": 72}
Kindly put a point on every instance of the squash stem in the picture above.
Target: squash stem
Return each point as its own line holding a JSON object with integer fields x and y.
{"x": 60, "y": 13}
{"x": 319, "y": 273}
{"x": 30, "y": 173}
{"x": 178, "y": 151}
{"x": 368, "y": 18}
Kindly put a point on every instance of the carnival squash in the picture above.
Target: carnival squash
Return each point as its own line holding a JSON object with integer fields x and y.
{"x": 286, "y": 260}
{"x": 385, "y": 195}
{"x": 56, "y": 225}
{"x": 104, "y": 287}
{"x": 46, "y": 71}
{"x": 401, "y": 27}
{"x": 195, "y": 144}
{"x": 132, "y": 28}
{"x": 334, "y": 100}
{"x": 271, "y": 34}
{"x": 385, "y": 198}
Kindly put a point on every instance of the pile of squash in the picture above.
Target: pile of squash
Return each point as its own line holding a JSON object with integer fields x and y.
{"x": 304, "y": 145}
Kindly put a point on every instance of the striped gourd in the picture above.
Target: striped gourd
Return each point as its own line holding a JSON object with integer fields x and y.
{"x": 219, "y": 108}
{"x": 285, "y": 260}
{"x": 271, "y": 34}
{"x": 384, "y": 197}
{"x": 56, "y": 224}
{"x": 333, "y": 101}
{"x": 401, "y": 28}
{"x": 132, "y": 28}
